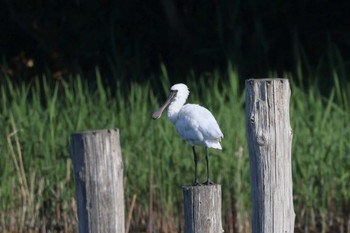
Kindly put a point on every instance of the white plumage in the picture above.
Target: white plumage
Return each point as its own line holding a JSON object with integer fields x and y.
{"x": 197, "y": 125}
{"x": 193, "y": 122}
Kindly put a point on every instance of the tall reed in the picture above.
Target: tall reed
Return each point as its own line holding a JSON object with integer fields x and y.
{"x": 37, "y": 187}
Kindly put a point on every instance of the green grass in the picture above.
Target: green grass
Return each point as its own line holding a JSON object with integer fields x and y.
{"x": 37, "y": 186}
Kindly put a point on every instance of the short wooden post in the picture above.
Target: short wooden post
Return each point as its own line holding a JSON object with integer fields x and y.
{"x": 98, "y": 170}
{"x": 269, "y": 137}
{"x": 202, "y": 208}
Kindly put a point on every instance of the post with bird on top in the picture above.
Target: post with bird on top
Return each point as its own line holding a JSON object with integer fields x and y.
{"x": 196, "y": 125}
{"x": 269, "y": 136}
{"x": 98, "y": 173}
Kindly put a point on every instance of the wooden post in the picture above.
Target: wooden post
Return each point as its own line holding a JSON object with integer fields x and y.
{"x": 98, "y": 170}
{"x": 202, "y": 208}
{"x": 269, "y": 137}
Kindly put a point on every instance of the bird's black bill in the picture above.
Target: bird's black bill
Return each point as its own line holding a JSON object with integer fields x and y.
{"x": 157, "y": 114}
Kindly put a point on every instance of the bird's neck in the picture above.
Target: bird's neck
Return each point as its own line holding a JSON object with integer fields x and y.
{"x": 174, "y": 109}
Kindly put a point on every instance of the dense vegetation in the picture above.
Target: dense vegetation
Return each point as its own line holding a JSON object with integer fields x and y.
{"x": 37, "y": 186}
{"x": 49, "y": 88}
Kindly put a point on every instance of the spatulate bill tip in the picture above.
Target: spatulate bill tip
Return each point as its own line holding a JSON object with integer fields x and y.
{"x": 156, "y": 115}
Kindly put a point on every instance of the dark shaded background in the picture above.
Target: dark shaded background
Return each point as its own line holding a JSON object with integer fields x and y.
{"x": 129, "y": 39}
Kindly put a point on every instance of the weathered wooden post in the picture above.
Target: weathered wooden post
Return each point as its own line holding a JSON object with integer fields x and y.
{"x": 98, "y": 170}
{"x": 269, "y": 137}
{"x": 202, "y": 208}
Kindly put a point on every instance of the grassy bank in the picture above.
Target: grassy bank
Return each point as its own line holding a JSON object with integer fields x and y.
{"x": 37, "y": 186}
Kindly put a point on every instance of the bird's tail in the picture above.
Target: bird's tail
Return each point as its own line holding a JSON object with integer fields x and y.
{"x": 214, "y": 144}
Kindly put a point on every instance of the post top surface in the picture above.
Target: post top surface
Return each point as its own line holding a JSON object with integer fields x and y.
{"x": 198, "y": 187}
{"x": 266, "y": 79}
{"x": 98, "y": 131}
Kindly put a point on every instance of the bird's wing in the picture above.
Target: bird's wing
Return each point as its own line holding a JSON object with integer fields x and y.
{"x": 188, "y": 128}
{"x": 198, "y": 123}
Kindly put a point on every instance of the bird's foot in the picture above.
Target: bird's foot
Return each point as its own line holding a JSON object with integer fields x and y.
{"x": 196, "y": 183}
{"x": 208, "y": 182}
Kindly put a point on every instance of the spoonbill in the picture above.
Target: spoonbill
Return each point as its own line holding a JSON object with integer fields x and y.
{"x": 194, "y": 123}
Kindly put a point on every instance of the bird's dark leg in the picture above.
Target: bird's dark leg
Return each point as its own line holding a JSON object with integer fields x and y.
{"x": 208, "y": 182}
{"x": 195, "y": 167}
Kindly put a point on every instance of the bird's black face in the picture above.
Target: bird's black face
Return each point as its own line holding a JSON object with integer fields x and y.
{"x": 157, "y": 114}
{"x": 172, "y": 94}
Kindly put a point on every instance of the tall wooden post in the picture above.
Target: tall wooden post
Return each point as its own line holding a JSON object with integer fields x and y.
{"x": 98, "y": 170}
{"x": 269, "y": 137}
{"x": 202, "y": 208}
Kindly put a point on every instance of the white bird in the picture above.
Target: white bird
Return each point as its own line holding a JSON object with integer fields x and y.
{"x": 193, "y": 122}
